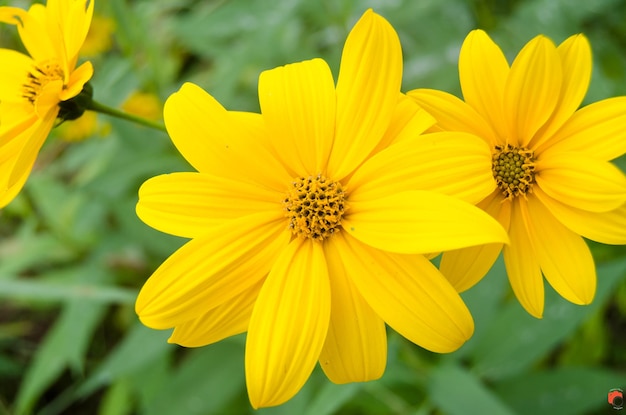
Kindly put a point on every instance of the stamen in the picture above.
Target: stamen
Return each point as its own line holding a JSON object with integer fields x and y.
{"x": 315, "y": 207}
{"x": 514, "y": 170}
{"x": 39, "y": 77}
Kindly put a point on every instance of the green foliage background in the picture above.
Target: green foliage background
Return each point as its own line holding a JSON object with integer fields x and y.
{"x": 73, "y": 254}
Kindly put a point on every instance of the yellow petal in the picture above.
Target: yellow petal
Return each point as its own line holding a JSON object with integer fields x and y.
{"x": 7, "y": 195}
{"x": 211, "y": 270}
{"x": 222, "y": 143}
{"x": 367, "y": 92}
{"x": 522, "y": 265}
{"x": 465, "y": 267}
{"x": 24, "y": 162}
{"x": 596, "y": 130}
{"x": 452, "y": 114}
{"x": 455, "y": 164}
{"x": 356, "y": 345}
{"x": 189, "y": 204}
{"x": 532, "y": 89}
{"x": 409, "y": 293}
{"x": 605, "y": 227}
{"x": 13, "y": 72}
{"x": 581, "y": 182}
{"x": 483, "y": 70}
{"x": 77, "y": 81}
{"x": 298, "y": 106}
{"x": 288, "y": 324}
{"x": 409, "y": 120}
{"x": 225, "y": 320}
{"x": 575, "y": 54}
{"x": 563, "y": 256}
{"x": 41, "y": 37}
{"x": 420, "y": 222}
{"x": 74, "y": 19}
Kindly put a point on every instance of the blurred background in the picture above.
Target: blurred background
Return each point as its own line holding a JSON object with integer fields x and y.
{"x": 73, "y": 253}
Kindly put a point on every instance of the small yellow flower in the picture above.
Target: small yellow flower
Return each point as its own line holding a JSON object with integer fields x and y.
{"x": 144, "y": 104}
{"x": 33, "y": 88}
{"x": 308, "y": 221}
{"x": 551, "y": 162}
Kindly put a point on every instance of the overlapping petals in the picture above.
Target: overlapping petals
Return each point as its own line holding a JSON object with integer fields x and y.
{"x": 575, "y": 190}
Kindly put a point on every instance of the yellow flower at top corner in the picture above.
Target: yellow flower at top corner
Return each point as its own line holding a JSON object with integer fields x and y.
{"x": 35, "y": 88}
{"x": 551, "y": 162}
{"x": 309, "y": 222}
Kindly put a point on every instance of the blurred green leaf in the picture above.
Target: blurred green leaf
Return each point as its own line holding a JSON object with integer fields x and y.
{"x": 456, "y": 391}
{"x": 64, "y": 346}
{"x": 117, "y": 400}
{"x": 140, "y": 347}
{"x": 205, "y": 383}
{"x": 38, "y": 290}
{"x": 560, "y": 391}
{"x": 516, "y": 340}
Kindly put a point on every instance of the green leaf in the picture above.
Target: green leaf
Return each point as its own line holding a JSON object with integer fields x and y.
{"x": 38, "y": 290}
{"x": 516, "y": 340}
{"x": 65, "y": 345}
{"x": 456, "y": 391}
{"x": 205, "y": 383}
{"x": 560, "y": 391}
{"x": 139, "y": 348}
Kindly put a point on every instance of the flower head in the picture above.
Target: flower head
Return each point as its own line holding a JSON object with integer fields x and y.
{"x": 309, "y": 221}
{"x": 33, "y": 89}
{"x": 551, "y": 161}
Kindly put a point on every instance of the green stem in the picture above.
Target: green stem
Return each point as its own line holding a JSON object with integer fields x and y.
{"x": 103, "y": 109}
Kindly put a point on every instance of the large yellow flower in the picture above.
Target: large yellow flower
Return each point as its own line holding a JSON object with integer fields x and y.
{"x": 306, "y": 224}
{"x": 551, "y": 161}
{"x": 33, "y": 87}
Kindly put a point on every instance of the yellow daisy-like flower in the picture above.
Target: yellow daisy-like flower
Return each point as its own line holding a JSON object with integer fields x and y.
{"x": 308, "y": 221}
{"x": 551, "y": 162}
{"x": 33, "y": 88}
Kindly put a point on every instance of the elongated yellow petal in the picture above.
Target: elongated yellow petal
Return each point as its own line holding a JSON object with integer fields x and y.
{"x": 211, "y": 270}
{"x": 409, "y": 293}
{"x": 13, "y": 74}
{"x": 189, "y": 204}
{"x": 225, "y": 320}
{"x": 40, "y": 36}
{"x": 522, "y": 265}
{"x": 24, "y": 162}
{"x": 74, "y": 18}
{"x": 596, "y": 130}
{"x": 483, "y": 71}
{"x": 219, "y": 142}
{"x": 532, "y": 89}
{"x": 606, "y": 227}
{"x": 563, "y": 256}
{"x": 288, "y": 324}
{"x": 409, "y": 120}
{"x": 465, "y": 267}
{"x": 456, "y": 164}
{"x": 298, "y": 106}
{"x": 77, "y": 81}
{"x": 421, "y": 222}
{"x": 575, "y": 54}
{"x": 452, "y": 114}
{"x": 356, "y": 345}
{"x": 582, "y": 182}
{"x": 367, "y": 92}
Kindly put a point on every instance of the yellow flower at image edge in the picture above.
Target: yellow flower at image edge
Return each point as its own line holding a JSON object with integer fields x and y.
{"x": 33, "y": 88}
{"x": 309, "y": 221}
{"x": 551, "y": 163}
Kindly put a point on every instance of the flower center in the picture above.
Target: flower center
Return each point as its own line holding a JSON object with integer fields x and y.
{"x": 514, "y": 170}
{"x": 315, "y": 206}
{"x": 40, "y": 77}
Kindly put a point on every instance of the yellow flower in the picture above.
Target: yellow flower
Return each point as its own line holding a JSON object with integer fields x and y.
{"x": 143, "y": 104}
{"x": 551, "y": 161}
{"x": 32, "y": 88}
{"x": 308, "y": 220}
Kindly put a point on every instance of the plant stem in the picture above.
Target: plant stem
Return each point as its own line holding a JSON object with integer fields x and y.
{"x": 103, "y": 109}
